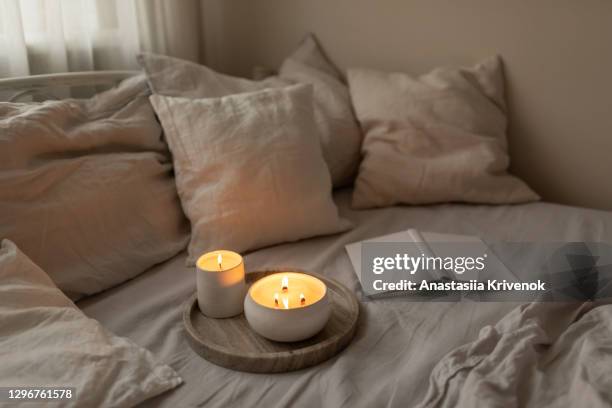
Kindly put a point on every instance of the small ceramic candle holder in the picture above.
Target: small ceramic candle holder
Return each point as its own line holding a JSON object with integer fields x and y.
{"x": 220, "y": 283}
{"x": 287, "y": 306}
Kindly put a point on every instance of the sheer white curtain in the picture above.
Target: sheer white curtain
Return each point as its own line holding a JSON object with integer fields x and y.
{"x": 43, "y": 36}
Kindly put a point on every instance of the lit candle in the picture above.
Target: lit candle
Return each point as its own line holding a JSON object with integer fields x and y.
{"x": 299, "y": 312}
{"x": 220, "y": 282}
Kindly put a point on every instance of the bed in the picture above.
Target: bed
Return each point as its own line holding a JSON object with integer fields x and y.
{"x": 397, "y": 343}
{"x": 389, "y": 360}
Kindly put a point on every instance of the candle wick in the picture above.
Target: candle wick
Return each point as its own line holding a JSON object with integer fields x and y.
{"x": 285, "y": 284}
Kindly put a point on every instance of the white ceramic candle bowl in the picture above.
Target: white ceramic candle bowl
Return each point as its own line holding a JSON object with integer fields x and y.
{"x": 220, "y": 282}
{"x": 295, "y": 313}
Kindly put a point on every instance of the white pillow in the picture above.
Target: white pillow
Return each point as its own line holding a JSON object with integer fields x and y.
{"x": 439, "y": 137}
{"x": 45, "y": 340}
{"x": 338, "y": 129}
{"x": 249, "y": 169}
{"x": 86, "y": 188}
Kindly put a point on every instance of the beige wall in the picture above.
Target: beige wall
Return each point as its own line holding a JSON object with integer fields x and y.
{"x": 558, "y": 56}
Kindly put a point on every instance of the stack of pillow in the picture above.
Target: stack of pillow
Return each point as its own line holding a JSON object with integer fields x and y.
{"x": 248, "y": 155}
{"x": 88, "y": 189}
{"x": 95, "y": 193}
{"x": 88, "y": 195}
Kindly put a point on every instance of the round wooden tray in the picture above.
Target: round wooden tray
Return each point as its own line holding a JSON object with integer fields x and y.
{"x": 231, "y": 343}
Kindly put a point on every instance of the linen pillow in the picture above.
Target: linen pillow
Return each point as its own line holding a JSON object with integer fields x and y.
{"x": 437, "y": 138}
{"x": 118, "y": 120}
{"x": 338, "y": 129}
{"x": 45, "y": 340}
{"x": 249, "y": 169}
{"x": 86, "y": 188}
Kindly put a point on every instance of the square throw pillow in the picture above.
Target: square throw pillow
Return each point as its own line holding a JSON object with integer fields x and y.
{"x": 249, "y": 169}
{"x": 336, "y": 124}
{"x": 46, "y": 341}
{"x": 440, "y": 137}
{"x": 86, "y": 188}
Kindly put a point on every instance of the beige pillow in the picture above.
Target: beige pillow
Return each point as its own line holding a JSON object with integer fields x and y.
{"x": 86, "y": 188}
{"x": 338, "y": 129}
{"x": 249, "y": 169}
{"x": 46, "y": 341}
{"x": 118, "y": 120}
{"x": 435, "y": 138}
{"x": 340, "y": 133}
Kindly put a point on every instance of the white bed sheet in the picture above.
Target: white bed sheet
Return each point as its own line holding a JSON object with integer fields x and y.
{"x": 397, "y": 343}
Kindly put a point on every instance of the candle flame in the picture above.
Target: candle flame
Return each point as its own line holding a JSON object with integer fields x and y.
{"x": 285, "y": 283}
{"x": 276, "y": 299}
{"x": 219, "y": 260}
{"x": 302, "y": 298}
{"x": 286, "y": 303}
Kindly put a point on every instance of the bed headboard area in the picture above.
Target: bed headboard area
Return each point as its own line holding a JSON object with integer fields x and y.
{"x": 557, "y": 57}
{"x": 59, "y": 85}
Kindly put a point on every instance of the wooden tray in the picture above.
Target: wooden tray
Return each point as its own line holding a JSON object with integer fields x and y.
{"x": 231, "y": 343}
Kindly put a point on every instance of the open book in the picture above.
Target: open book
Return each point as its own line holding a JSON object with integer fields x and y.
{"x": 431, "y": 244}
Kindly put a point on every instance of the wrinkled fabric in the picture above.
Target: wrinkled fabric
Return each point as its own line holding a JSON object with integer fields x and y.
{"x": 249, "y": 169}
{"x": 539, "y": 355}
{"x": 440, "y": 137}
{"x": 86, "y": 187}
{"x": 45, "y": 340}
{"x": 397, "y": 343}
{"x": 118, "y": 120}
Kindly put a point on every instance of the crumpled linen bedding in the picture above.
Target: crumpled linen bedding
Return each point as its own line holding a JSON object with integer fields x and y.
{"x": 539, "y": 355}
{"x": 397, "y": 344}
